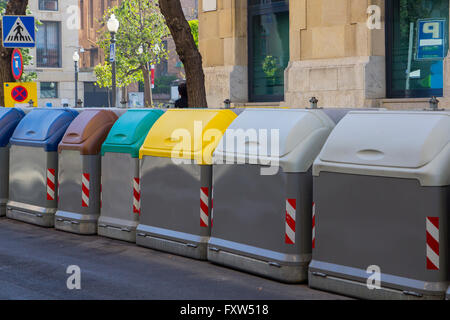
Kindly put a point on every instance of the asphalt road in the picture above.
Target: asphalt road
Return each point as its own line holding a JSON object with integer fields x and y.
{"x": 34, "y": 260}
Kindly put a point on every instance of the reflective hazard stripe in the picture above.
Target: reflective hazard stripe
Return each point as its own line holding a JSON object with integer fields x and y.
{"x": 291, "y": 208}
{"x": 85, "y": 189}
{"x": 432, "y": 243}
{"x": 51, "y": 184}
{"x": 204, "y": 209}
{"x": 137, "y": 195}
{"x": 314, "y": 225}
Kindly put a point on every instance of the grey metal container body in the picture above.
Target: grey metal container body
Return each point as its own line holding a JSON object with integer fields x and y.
{"x": 117, "y": 218}
{"x": 170, "y": 207}
{"x": 72, "y": 216}
{"x": 249, "y": 221}
{"x": 363, "y": 221}
{"x": 4, "y": 179}
{"x": 28, "y": 200}
{"x": 448, "y": 294}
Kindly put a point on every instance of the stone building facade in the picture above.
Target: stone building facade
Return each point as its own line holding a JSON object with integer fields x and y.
{"x": 347, "y": 53}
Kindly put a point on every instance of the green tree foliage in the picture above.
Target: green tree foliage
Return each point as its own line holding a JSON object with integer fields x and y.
{"x": 194, "y": 29}
{"x": 141, "y": 26}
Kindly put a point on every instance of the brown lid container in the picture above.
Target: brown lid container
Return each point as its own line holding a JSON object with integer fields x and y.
{"x": 88, "y": 132}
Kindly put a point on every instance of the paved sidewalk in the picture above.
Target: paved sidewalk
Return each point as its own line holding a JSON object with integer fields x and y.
{"x": 33, "y": 263}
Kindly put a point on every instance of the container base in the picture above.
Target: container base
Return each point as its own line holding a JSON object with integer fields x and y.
{"x": 44, "y": 217}
{"x": 117, "y": 229}
{"x": 273, "y": 270}
{"x": 360, "y": 290}
{"x": 3, "y": 210}
{"x": 76, "y": 223}
{"x": 174, "y": 242}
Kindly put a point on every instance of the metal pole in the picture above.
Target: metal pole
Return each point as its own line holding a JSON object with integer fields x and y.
{"x": 410, "y": 53}
{"x": 76, "y": 84}
{"x": 114, "y": 90}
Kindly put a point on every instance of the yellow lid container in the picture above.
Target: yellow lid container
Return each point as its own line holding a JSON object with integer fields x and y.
{"x": 187, "y": 134}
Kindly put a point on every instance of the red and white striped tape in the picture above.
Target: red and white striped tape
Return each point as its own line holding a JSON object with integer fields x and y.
{"x": 291, "y": 208}
{"x": 432, "y": 243}
{"x": 136, "y": 195}
{"x": 51, "y": 184}
{"x": 85, "y": 189}
{"x": 313, "y": 225}
{"x": 204, "y": 209}
{"x": 212, "y": 206}
{"x": 101, "y": 195}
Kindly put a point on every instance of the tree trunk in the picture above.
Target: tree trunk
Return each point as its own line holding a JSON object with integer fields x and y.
{"x": 13, "y": 8}
{"x": 187, "y": 51}
{"x": 148, "y": 99}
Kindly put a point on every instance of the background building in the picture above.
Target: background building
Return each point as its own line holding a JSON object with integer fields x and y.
{"x": 283, "y": 52}
{"x": 91, "y": 15}
{"x": 56, "y": 41}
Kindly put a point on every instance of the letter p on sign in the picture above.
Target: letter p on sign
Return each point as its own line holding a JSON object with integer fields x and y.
{"x": 432, "y": 28}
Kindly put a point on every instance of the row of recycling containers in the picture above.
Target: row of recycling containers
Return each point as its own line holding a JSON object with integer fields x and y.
{"x": 317, "y": 195}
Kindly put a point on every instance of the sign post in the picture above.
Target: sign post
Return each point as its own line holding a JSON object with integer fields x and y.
{"x": 17, "y": 64}
{"x": 18, "y": 32}
{"x": 20, "y": 93}
{"x": 431, "y": 39}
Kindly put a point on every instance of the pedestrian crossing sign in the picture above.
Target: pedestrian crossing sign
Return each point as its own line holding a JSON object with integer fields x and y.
{"x": 18, "y": 32}
{"x": 19, "y": 94}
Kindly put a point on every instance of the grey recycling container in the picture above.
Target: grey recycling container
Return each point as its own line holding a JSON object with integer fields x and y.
{"x": 120, "y": 210}
{"x": 176, "y": 178}
{"x": 381, "y": 194}
{"x": 33, "y": 171}
{"x": 9, "y": 119}
{"x": 80, "y": 171}
{"x": 262, "y": 192}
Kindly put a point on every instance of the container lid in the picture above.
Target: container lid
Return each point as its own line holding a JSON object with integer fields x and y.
{"x": 43, "y": 128}
{"x": 405, "y": 139}
{"x": 9, "y": 119}
{"x": 274, "y": 133}
{"x": 88, "y": 131}
{"x": 187, "y": 134}
{"x": 129, "y": 132}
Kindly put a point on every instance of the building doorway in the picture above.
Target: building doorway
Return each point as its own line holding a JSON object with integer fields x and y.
{"x": 416, "y": 45}
{"x": 95, "y": 97}
{"x": 268, "y": 44}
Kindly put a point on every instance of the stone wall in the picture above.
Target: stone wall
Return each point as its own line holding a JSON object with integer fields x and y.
{"x": 223, "y": 45}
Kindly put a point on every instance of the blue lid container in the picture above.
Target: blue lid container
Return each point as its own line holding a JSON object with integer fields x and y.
{"x": 9, "y": 119}
{"x": 43, "y": 128}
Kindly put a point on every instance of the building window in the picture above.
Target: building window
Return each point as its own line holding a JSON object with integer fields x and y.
{"x": 91, "y": 13}
{"x": 268, "y": 44}
{"x": 417, "y": 43}
{"x": 93, "y": 58}
{"x": 48, "y": 45}
{"x": 82, "y": 18}
{"x": 49, "y": 90}
{"x": 48, "y": 5}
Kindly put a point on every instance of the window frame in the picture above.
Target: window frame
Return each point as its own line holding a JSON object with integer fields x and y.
{"x": 43, "y": 2}
{"x": 56, "y": 89}
{"x": 59, "y": 37}
{"x": 252, "y": 12}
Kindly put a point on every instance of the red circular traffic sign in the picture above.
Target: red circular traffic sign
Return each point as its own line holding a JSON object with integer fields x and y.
{"x": 19, "y": 94}
{"x": 17, "y": 64}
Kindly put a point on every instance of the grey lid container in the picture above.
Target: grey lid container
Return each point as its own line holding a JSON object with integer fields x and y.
{"x": 409, "y": 144}
{"x": 294, "y": 138}
{"x": 381, "y": 190}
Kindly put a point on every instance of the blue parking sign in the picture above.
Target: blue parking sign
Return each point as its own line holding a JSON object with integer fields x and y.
{"x": 18, "y": 32}
{"x": 431, "y": 39}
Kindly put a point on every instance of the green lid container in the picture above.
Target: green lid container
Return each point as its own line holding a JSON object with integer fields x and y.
{"x": 129, "y": 132}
